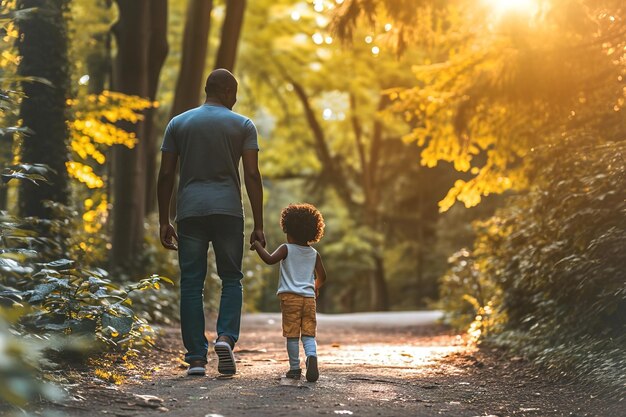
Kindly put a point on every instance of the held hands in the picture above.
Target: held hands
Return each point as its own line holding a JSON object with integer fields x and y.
{"x": 257, "y": 237}
{"x": 169, "y": 238}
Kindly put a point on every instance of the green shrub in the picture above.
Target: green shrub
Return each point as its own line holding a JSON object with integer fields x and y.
{"x": 551, "y": 263}
{"x": 52, "y": 309}
{"x": 69, "y": 298}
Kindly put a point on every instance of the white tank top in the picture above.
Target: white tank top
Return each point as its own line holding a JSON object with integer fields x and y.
{"x": 297, "y": 271}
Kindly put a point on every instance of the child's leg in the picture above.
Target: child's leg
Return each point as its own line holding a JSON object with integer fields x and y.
{"x": 310, "y": 346}
{"x": 293, "y": 349}
{"x": 310, "y": 349}
{"x": 309, "y": 327}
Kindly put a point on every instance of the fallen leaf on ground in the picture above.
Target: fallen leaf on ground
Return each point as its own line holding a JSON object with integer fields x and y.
{"x": 146, "y": 400}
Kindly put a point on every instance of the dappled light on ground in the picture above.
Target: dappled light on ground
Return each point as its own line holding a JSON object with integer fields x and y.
{"x": 408, "y": 359}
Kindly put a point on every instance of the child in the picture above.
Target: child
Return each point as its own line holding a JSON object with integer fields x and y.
{"x": 301, "y": 276}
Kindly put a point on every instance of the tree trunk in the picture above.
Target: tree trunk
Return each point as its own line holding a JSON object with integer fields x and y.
{"x": 333, "y": 174}
{"x": 43, "y": 47}
{"x": 6, "y": 157}
{"x": 99, "y": 58}
{"x": 192, "y": 65}
{"x": 379, "y": 300}
{"x": 420, "y": 242}
{"x": 140, "y": 33}
{"x": 158, "y": 49}
{"x": 130, "y": 71}
{"x": 231, "y": 30}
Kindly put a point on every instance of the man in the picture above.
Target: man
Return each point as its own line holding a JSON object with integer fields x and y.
{"x": 210, "y": 140}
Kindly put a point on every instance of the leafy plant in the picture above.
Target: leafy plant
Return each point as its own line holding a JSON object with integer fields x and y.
{"x": 549, "y": 265}
{"x": 59, "y": 310}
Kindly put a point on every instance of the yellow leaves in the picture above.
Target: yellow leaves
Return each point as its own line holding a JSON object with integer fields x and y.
{"x": 94, "y": 216}
{"x": 102, "y": 133}
{"x": 108, "y": 376}
{"x": 9, "y": 58}
{"x": 84, "y": 173}
{"x": 84, "y": 147}
{"x": 92, "y": 131}
{"x": 488, "y": 180}
{"x": 10, "y": 32}
{"x": 95, "y": 118}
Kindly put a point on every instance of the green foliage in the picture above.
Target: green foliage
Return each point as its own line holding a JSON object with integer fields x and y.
{"x": 550, "y": 263}
{"x": 70, "y": 299}
{"x": 23, "y": 355}
{"x": 55, "y": 309}
{"x": 31, "y": 172}
{"x": 567, "y": 242}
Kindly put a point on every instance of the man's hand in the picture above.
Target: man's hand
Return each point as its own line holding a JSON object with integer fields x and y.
{"x": 168, "y": 236}
{"x": 257, "y": 234}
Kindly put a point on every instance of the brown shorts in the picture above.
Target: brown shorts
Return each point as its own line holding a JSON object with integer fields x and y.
{"x": 298, "y": 315}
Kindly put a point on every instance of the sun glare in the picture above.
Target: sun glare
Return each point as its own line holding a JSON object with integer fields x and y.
{"x": 502, "y": 7}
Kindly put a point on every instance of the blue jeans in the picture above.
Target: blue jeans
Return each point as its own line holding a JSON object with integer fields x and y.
{"x": 194, "y": 234}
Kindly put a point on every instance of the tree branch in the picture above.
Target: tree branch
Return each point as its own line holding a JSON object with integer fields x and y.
{"x": 332, "y": 173}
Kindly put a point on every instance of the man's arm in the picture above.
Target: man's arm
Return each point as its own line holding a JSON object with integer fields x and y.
{"x": 254, "y": 187}
{"x": 278, "y": 255}
{"x": 165, "y": 186}
{"x": 320, "y": 274}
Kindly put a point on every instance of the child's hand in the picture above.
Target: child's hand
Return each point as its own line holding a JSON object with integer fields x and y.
{"x": 254, "y": 245}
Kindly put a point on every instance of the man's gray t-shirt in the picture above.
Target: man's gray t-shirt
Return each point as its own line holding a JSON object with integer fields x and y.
{"x": 210, "y": 140}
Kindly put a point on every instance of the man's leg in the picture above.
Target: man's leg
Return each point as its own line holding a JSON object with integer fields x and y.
{"x": 193, "y": 245}
{"x": 227, "y": 237}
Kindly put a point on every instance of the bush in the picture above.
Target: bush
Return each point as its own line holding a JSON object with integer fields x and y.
{"x": 52, "y": 309}
{"x": 550, "y": 263}
{"x": 68, "y": 298}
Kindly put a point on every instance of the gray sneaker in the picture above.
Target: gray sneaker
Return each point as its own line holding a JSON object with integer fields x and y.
{"x": 196, "y": 368}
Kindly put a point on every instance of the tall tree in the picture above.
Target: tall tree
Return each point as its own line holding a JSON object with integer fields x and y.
{"x": 43, "y": 47}
{"x": 157, "y": 52}
{"x": 339, "y": 139}
{"x": 99, "y": 58}
{"x": 231, "y": 31}
{"x": 141, "y": 48}
{"x": 192, "y": 65}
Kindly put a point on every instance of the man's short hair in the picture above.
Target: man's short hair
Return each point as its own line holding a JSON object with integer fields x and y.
{"x": 219, "y": 81}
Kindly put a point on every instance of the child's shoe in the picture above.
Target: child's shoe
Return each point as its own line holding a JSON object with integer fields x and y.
{"x": 312, "y": 373}
{"x": 294, "y": 373}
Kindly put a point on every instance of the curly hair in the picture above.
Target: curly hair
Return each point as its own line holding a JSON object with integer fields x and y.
{"x": 303, "y": 222}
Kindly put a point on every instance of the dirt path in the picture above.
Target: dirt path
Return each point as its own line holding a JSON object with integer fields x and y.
{"x": 376, "y": 365}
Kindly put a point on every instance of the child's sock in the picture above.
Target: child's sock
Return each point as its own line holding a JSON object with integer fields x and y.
{"x": 310, "y": 347}
{"x": 293, "y": 349}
